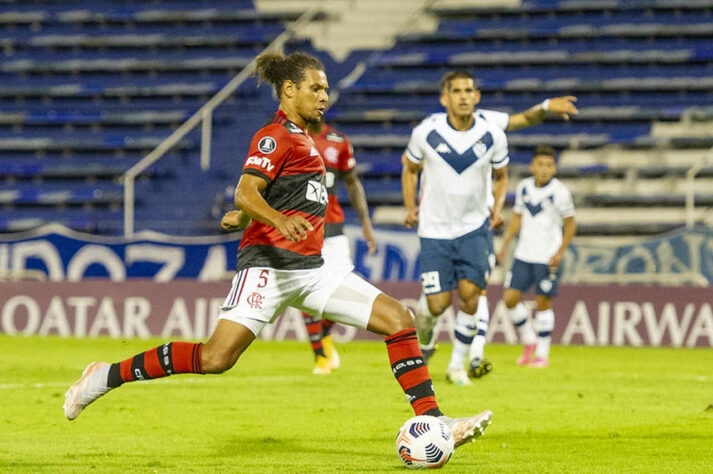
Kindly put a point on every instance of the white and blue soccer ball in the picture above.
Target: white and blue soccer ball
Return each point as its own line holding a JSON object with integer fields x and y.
{"x": 424, "y": 442}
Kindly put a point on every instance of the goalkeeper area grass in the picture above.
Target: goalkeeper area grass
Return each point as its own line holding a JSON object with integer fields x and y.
{"x": 594, "y": 410}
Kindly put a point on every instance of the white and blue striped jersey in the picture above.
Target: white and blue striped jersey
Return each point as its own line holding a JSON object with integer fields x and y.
{"x": 541, "y": 210}
{"x": 456, "y": 180}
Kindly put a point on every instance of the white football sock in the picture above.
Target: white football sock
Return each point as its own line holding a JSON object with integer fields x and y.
{"x": 545, "y": 323}
{"x": 518, "y": 316}
{"x": 465, "y": 329}
{"x": 482, "y": 318}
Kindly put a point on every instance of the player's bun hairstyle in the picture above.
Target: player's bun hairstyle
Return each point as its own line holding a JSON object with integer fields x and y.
{"x": 276, "y": 68}
{"x": 546, "y": 150}
{"x": 449, "y": 76}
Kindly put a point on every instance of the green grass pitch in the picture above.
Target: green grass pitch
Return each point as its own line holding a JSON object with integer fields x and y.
{"x": 594, "y": 410}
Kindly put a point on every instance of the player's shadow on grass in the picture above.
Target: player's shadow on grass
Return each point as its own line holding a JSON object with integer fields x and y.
{"x": 243, "y": 447}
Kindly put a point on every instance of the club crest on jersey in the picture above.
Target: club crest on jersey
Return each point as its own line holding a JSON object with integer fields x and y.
{"x": 331, "y": 154}
{"x": 316, "y": 192}
{"x": 267, "y": 145}
{"x": 480, "y": 148}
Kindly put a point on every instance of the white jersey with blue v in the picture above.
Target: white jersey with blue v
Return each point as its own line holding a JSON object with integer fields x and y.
{"x": 457, "y": 171}
{"x": 542, "y": 210}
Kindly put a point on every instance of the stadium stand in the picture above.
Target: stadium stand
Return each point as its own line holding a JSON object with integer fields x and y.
{"x": 638, "y": 68}
{"x": 89, "y": 88}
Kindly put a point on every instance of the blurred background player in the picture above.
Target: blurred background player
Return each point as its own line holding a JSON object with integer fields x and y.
{"x": 543, "y": 219}
{"x": 279, "y": 263}
{"x": 458, "y": 152}
{"x": 471, "y": 329}
{"x": 338, "y": 155}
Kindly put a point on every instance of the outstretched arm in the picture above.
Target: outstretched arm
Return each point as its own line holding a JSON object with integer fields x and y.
{"x": 562, "y": 106}
{"x": 249, "y": 200}
{"x": 358, "y": 200}
{"x": 409, "y": 182}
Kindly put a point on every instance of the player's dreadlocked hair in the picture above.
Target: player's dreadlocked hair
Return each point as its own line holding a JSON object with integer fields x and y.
{"x": 449, "y": 76}
{"x": 277, "y": 68}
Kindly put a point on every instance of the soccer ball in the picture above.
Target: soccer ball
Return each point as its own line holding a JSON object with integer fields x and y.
{"x": 424, "y": 442}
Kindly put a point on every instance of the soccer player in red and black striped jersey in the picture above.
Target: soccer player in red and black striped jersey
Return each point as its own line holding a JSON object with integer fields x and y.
{"x": 338, "y": 155}
{"x": 282, "y": 189}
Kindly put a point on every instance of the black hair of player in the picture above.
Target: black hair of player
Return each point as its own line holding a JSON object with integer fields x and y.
{"x": 449, "y": 76}
{"x": 276, "y": 68}
{"x": 545, "y": 150}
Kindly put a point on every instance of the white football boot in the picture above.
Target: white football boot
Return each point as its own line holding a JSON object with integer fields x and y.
{"x": 467, "y": 429}
{"x": 90, "y": 386}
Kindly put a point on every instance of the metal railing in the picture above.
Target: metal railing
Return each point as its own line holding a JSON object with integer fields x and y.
{"x": 204, "y": 115}
{"x": 704, "y": 161}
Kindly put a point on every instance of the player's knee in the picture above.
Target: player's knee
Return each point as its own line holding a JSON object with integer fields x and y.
{"x": 469, "y": 305}
{"x": 403, "y": 319}
{"x": 542, "y": 303}
{"x": 217, "y": 361}
{"x": 437, "y": 306}
{"x": 511, "y": 299}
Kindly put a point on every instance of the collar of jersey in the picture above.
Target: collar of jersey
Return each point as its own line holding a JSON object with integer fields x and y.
{"x": 283, "y": 115}
{"x": 448, "y": 121}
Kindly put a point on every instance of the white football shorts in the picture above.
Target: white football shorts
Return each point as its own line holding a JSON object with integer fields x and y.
{"x": 336, "y": 254}
{"x": 259, "y": 294}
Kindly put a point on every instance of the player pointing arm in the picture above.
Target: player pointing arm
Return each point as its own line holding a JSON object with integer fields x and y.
{"x": 562, "y": 106}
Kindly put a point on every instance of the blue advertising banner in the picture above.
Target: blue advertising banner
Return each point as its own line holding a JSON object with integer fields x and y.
{"x": 682, "y": 257}
{"x": 56, "y": 253}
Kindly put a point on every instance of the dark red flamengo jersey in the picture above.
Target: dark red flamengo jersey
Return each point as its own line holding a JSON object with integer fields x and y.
{"x": 338, "y": 156}
{"x": 284, "y": 155}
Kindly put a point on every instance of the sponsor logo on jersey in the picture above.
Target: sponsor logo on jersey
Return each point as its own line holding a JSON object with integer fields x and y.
{"x": 334, "y": 137}
{"x": 292, "y": 128}
{"x": 316, "y": 192}
{"x": 267, "y": 145}
{"x": 260, "y": 161}
{"x": 443, "y": 148}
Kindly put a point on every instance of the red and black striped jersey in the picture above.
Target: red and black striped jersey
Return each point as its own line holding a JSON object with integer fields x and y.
{"x": 284, "y": 155}
{"x": 338, "y": 156}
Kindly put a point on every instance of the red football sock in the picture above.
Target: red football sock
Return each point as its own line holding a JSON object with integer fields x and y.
{"x": 162, "y": 361}
{"x": 411, "y": 372}
{"x": 314, "y": 329}
{"x": 326, "y": 327}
